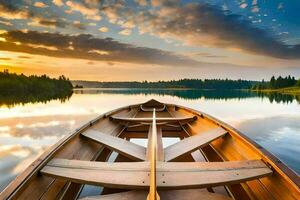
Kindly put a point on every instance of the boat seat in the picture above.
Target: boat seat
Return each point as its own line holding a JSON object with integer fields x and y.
{"x": 192, "y": 143}
{"x": 182, "y": 120}
{"x": 124, "y": 147}
{"x": 138, "y": 153}
{"x": 192, "y": 194}
{"x": 169, "y": 175}
{"x": 150, "y": 109}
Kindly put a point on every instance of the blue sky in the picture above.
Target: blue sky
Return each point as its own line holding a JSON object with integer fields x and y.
{"x": 151, "y": 39}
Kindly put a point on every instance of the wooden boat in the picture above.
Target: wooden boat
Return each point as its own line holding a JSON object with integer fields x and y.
{"x": 211, "y": 161}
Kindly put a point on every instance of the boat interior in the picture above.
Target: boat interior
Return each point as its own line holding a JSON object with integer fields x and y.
{"x": 155, "y": 151}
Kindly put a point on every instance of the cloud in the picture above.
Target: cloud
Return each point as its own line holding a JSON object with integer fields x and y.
{"x": 208, "y": 55}
{"x": 19, "y": 10}
{"x": 125, "y": 32}
{"x": 243, "y": 5}
{"x": 25, "y": 57}
{"x": 58, "y": 2}
{"x": 10, "y": 10}
{"x": 195, "y": 24}
{"x": 92, "y": 24}
{"x": 142, "y": 2}
{"x": 56, "y": 23}
{"x": 39, "y": 4}
{"x": 255, "y": 9}
{"x": 79, "y": 25}
{"x": 6, "y": 23}
{"x": 85, "y": 46}
{"x": 52, "y": 23}
{"x": 205, "y": 25}
{"x": 5, "y": 59}
{"x": 90, "y": 13}
{"x": 103, "y": 29}
{"x": 280, "y": 6}
{"x": 90, "y": 63}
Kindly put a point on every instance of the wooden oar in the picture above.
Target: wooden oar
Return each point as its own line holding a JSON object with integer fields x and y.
{"x": 152, "y": 148}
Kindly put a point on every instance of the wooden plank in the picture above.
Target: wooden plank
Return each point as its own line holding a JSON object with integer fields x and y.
{"x": 169, "y": 175}
{"x": 124, "y": 147}
{"x": 287, "y": 181}
{"x": 158, "y": 120}
{"x": 192, "y": 143}
{"x": 124, "y": 175}
{"x": 160, "y": 148}
{"x": 199, "y": 156}
{"x": 202, "y": 174}
{"x": 193, "y": 194}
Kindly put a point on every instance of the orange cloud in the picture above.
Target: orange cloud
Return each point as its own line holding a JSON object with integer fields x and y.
{"x": 58, "y": 2}
{"x": 39, "y": 4}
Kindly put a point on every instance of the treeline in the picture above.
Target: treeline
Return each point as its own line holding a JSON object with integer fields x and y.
{"x": 277, "y": 83}
{"x": 221, "y": 84}
{"x": 23, "y": 89}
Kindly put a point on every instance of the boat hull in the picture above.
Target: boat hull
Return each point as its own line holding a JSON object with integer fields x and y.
{"x": 234, "y": 146}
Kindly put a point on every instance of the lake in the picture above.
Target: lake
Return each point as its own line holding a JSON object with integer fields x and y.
{"x": 28, "y": 129}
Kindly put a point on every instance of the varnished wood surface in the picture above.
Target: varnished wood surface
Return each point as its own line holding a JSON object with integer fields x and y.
{"x": 168, "y": 175}
{"x": 158, "y": 119}
{"x": 193, "y": 194}
{"x": 192, "y": 143}
{"x": 283, "y": 184}
{"x": 124, "y": 147}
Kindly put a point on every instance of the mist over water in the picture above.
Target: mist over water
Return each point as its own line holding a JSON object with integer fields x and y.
{"x": 29, "y": 128}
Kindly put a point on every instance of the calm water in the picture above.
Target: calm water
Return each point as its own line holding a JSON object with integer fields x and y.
{"x": 26, "y": 130}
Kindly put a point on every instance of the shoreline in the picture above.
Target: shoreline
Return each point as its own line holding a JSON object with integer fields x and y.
{"x": 289, "y": 90}
{"x": 117, "y": 88}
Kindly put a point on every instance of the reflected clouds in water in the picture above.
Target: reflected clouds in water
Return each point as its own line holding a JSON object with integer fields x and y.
{"x": 278, "y": 134}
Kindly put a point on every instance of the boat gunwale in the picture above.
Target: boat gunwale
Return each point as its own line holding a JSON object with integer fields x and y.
{"x": 13, "y": 187}
{"x": 267, "y": 156}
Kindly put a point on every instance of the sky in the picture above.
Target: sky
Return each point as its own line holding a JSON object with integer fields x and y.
{"x": 126, "y": 40}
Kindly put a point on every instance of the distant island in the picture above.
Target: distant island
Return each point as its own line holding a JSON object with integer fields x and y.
{"x": 16, "y": 89}
{"x": 206, "y": 84}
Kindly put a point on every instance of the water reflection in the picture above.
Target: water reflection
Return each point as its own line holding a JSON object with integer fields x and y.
{"x": 27, "y": 130}
{"x": 278, "y": 134}
{"x": 279, "y": 97}
{"x": 17, "y": 99}
{"x": 181, "y": 93}
{"x": 196, "y": 94}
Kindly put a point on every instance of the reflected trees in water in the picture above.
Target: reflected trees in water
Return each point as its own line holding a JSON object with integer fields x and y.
{"x": 197, "y": 94}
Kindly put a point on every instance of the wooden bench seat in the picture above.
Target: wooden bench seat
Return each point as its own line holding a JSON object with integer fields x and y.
{"x": 170, "y": 175}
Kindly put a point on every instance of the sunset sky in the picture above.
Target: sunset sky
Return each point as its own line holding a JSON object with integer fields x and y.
{"x": 124, "y": 40}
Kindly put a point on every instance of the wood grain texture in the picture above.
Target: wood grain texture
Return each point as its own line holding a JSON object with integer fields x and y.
{"x": 192, "y": 143}
{"x": 158, "y": 119}
{"x": 193, "y": 194}
{"x": 124, "y": 147}
{"x": 168, "y": 175}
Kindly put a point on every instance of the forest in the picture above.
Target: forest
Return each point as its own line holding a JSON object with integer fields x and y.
{"x": 221, "y": 84}
{"x": 15, "y": 89}
{"x": 277, "y": 83}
